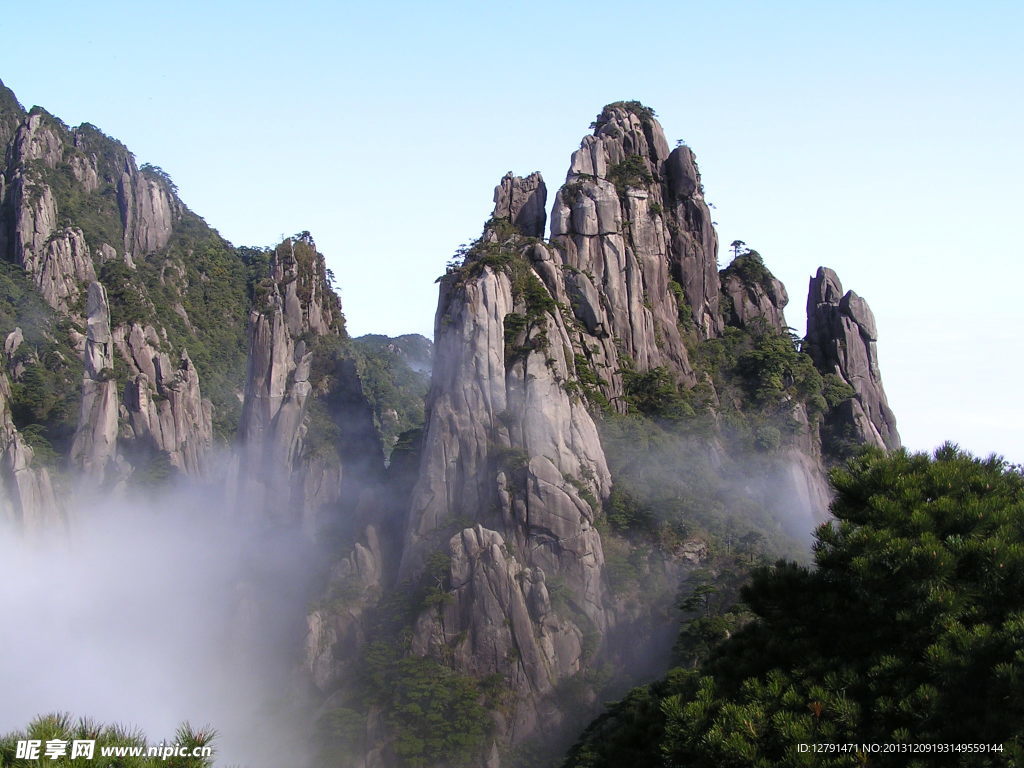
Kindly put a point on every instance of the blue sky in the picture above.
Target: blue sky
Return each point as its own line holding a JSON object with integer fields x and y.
{"x": 881, "y": 139}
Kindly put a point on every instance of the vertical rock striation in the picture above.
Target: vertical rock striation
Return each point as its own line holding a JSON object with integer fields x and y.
{"x": 27, "y": 498}
{"x": 841, "y": 339}
{"x": 752, "y": 295}
{"x": 94, "y": 451}
{"x": 636, "y": 249}
{"x": 511, "y": 471}
{"x": 57, "y": 257}
{"x": 291, "y": 463}
{"x": 163, "y": 404}
{"x": 632, "y": 248}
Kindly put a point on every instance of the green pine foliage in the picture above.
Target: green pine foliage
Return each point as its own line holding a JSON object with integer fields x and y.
{"x": 434, "y": 715}
{"x": 204, "y": 308}
{"x": 669, "y": 488}
{"x": 395, "y": 373}
{"x": 45, "y": 398}
{"x": 631, "y": 172}
{"x": 61, "y": 726}
{"x": 907, "y": 630}
{"x": 645, "y": 113}
{"x": 750, "y": 268}
{"x": 752, "y": 378}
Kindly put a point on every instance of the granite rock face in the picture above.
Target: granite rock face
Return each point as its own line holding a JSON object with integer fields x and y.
{"x": 164, "y": 405}
{"x": 94, "y": 451}
{"x": 277, "y": 387}
{"x": 27, "y": 497}
{"x": 287, "y": 475}
{"x": 58, "y": 258}
{"x": 147, "y": 211}
{"x": 511, "y": 450}
{"x": 512, "y": 471}
{"x": 634, "y": 248}
{"x": 523, "y": 202}
{"x": 753, "y": 294}
{"x": 73, "y": 203}
{"x": 51, "y": 170}
{"x": 694, "y": 242}
{"x": 841, "y": 339}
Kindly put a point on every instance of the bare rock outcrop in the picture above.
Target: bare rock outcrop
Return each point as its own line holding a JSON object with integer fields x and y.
{"x": 294, "y": 467}
{"x": 500, "y": 614}
{"x": 694, "y": 242}
{"x": 147, "y": 211}
{"x": 164, "y": 407}
{"x": 510, "y": 449}
{"x": 613, "y": 226}
{"x": 277, "y": 387}
{"x": 57, "y": 258}
{"x": 94, "y": 451}
{"x": 55, "y": 173}
{"x": 523, "y": 202}
{"x": 27, "y": 498}
{"x": 753, "y": 294}
{"x": 841, "y": 339}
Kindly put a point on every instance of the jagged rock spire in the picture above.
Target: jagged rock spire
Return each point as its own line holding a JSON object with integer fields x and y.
{"x": 635, "y": 237}
{"x": 296, "y": 326}
{"x": 752, "y": 294}
{"x": 523, "y": 202}
{"x": 510, "y": 458}
{"x": 841, "y": 336}
{"x": 94, "y": 450}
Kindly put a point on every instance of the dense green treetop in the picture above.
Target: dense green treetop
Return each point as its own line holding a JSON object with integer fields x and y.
{"x": 909, "y": 628}
{"x": 62, "y": 728}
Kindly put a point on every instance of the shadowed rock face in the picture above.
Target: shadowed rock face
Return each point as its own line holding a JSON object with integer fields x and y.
{"x": 511, "y": 452}
{"x": 522, "y": 202}
{"x": 841, "y": 339}
{"x": 94, "y": 451}
{"x": 753, "y": 295}
{"x": 281, "y": 335}
{"x": 295, "y": 332}
{"x": 27, "y": 498}
{"x": 624, "y": 226}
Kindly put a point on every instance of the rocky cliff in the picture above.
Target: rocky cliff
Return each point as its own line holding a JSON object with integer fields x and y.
{"x": 131, "y": 280}
{"x": 542, "y": 347}
{"x": 27, "y": 497}
{"x": 94, "y": 451}
{"x": 627, "y": 226}
{"x": 613, "y": 424}
{"x": 294, "y": 461}
{"x": 509, "y": 449}
{"x": 841, "y": 337}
